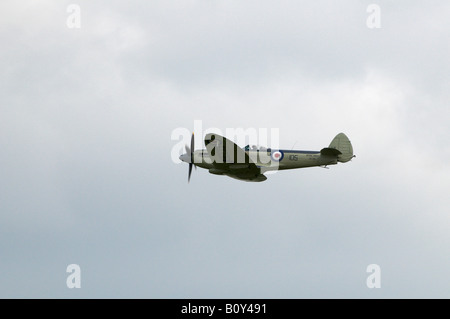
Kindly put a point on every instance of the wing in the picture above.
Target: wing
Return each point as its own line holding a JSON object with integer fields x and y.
{"x": 231, "y": 160}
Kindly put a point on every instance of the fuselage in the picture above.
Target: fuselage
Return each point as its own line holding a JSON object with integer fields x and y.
{"x": 268, "y": 160}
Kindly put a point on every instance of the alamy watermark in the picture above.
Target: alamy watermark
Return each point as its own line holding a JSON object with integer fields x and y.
{"x": 74, "y": 279}
{"x": 73, "y": 21}
{"x": 374, "y": 19}
{"x": 374, "y": 279}
{"x": 219, "y": 143}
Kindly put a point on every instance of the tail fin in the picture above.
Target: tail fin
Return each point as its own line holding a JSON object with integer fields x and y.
{"x": 343, "y": 145}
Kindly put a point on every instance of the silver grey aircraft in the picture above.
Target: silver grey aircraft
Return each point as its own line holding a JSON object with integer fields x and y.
{"x": 223, "y": 157}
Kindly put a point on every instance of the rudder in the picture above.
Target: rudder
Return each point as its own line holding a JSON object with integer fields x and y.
{"x": 342, "y": 144}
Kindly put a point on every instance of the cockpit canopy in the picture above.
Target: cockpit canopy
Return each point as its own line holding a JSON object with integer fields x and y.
{"x": 256, "y": 148}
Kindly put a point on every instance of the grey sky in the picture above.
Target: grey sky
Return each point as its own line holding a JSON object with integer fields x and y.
{"x": 86, "y": 176}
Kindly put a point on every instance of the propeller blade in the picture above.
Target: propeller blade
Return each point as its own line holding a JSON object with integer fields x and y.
{"x": 190, "y": 171}
{"x": 190, "y": 150}
{"x": 192, "y": 147}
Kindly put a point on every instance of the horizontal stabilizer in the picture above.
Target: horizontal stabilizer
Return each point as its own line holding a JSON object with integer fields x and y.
{"x": 330, "y": 152}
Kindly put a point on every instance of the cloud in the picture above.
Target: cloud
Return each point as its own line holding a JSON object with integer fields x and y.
{"x": 85, "y": 125}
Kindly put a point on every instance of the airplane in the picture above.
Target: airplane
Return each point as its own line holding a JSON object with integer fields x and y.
{"x": 223, "y": 157}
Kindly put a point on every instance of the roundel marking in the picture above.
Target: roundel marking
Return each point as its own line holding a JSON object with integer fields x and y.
{"x": 277, "y": 156}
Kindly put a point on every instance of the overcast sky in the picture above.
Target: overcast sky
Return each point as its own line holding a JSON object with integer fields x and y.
{"x": 87, "y": 178}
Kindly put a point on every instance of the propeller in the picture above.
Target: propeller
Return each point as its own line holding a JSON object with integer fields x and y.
{"x": 191, "y": 152}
